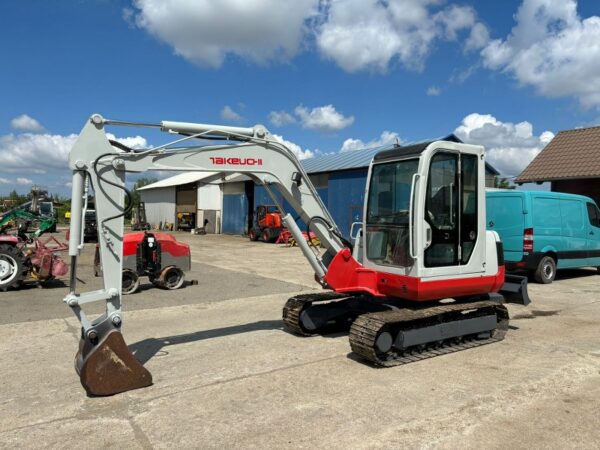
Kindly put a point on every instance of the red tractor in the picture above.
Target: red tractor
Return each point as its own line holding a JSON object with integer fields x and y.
{"x": 159, "y": 256}
{"x": 266, "y": 223}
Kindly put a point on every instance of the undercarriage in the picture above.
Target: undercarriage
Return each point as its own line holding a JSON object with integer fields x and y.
{"x": 390, "y": 332}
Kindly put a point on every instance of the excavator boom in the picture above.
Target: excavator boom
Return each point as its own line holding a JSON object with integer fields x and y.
{"x": 96, "y": 161}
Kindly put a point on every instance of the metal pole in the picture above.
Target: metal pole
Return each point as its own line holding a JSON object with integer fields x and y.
{"x": 292, "y": 226}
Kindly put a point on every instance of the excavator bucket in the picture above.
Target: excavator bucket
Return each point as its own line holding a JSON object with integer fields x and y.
{"x": 109, "y": 367}
{"x": 514, "y": 290}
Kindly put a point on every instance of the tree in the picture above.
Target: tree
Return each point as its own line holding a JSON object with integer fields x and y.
{"x": 135, "y": 195}
{"x": 503, "y": 183}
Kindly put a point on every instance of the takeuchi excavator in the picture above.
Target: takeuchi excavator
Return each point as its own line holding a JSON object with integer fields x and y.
{"x": 422, "y": 278}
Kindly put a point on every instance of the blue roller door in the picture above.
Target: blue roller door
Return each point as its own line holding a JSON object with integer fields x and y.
{"x": 262, "y": 197}
{"x": 346, "y": 197}
{"x": 235, "y": 213}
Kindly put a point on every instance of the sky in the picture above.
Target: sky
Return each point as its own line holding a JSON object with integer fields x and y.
{"x": 323, "y": 75}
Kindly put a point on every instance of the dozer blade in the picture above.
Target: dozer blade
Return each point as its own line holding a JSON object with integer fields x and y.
{"x": 514, "y": 290}
{"x": 109, "y": 367}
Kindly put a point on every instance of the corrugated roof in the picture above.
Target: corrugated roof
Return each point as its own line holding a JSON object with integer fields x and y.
{"x": 571, "y": 154}
{"x": 354, "y": 159}
{"x": 357, "y": 159}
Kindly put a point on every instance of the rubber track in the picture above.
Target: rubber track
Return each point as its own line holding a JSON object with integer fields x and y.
{"x": 295, "y": 305}
{"x": 366, "y": 328}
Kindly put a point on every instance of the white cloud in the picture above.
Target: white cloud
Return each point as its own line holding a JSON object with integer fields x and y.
{"x": 552, "y": 49}
{"x": 281, "y": 118}
{"x": 386, "y": 138}
{"x": 300, "y": 154}
{"x": 509, "y": 147}
{"x": 356, "y": 34}
{"x": 434, "y": 91}
{"x": 370, "y": 34}
{"x": 227, "y": 113}
{"x": 26, "y": 123}
{"x": 45, "y": 156}
{"x": 205, "y": 31}
{"x": 35, "y": 151}
{"x": 479, "y": 37}
{"x": 135, "y": 142}
{"x": 323, "y": 118}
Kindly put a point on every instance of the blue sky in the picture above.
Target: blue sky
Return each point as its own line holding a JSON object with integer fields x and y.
{"x": 327, "y": 76}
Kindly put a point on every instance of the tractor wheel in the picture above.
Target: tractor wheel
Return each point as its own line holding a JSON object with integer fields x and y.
{"x": 131, "y": 282}
{"x": 266, "y": 236}
{"x": 253, "y": 235}
{"x": 12, "y": 267}
{"x": 546, "y": 270}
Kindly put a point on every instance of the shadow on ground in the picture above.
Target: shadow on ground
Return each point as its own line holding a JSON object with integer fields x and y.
{"x": 148, "y": 348}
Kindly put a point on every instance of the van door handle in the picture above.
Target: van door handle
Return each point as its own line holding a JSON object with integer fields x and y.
{"x": 592, "y": 232}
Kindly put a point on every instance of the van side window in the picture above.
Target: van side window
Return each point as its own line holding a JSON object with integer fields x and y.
{"x": 593, "y": 214}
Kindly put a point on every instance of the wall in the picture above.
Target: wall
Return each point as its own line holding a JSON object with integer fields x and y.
{"x": 160, "y": 205}
{"x": 210, "y": 204}
{"x": 589, "y": 187}
{"x": 209, "y": 196}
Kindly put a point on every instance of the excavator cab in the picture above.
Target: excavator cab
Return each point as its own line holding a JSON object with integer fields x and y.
{"x": 425, "y": 217}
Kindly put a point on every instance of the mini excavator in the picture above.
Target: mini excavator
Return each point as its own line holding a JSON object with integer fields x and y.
{"x": 422, "y": 278}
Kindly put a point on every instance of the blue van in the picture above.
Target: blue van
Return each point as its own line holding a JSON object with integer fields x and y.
{"x": 543, "y": 231}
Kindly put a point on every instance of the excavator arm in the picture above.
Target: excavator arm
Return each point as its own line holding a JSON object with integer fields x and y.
{"x": 104, "y": 363}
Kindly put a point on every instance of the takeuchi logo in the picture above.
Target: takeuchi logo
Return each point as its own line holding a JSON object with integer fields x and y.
{"x": 220, "y": 161}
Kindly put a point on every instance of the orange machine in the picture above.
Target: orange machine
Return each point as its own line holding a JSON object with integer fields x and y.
{"x": 266, "y": 224}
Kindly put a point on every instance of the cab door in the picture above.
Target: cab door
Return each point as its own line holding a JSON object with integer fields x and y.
{"x": 593, "y": 235}
{"x": 451, "y": 211}
{"x": 442, "y": 211}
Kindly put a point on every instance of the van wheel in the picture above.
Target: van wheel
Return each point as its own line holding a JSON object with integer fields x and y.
{"x": 546, "y": 270}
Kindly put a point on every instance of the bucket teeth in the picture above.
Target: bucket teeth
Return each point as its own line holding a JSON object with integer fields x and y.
{"x": 109, "y": 367}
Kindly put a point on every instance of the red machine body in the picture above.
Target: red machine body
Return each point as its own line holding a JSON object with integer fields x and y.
{"x": 159, "y": 256}
{"x": 348, "y": 275}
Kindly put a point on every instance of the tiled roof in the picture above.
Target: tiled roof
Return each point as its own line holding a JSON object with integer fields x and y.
{"x": 571, "y": 154}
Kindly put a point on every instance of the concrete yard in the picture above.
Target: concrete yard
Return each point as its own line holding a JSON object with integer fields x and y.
{"x": 227, "y": 376}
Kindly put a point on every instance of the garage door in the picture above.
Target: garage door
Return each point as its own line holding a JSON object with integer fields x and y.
{"x": 186, "y": 200}
{"x": 235, "y": 213}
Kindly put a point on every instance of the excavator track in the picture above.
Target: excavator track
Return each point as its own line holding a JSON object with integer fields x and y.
{"x": 292, "y": 311}
{"x": 370, "y": 332}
